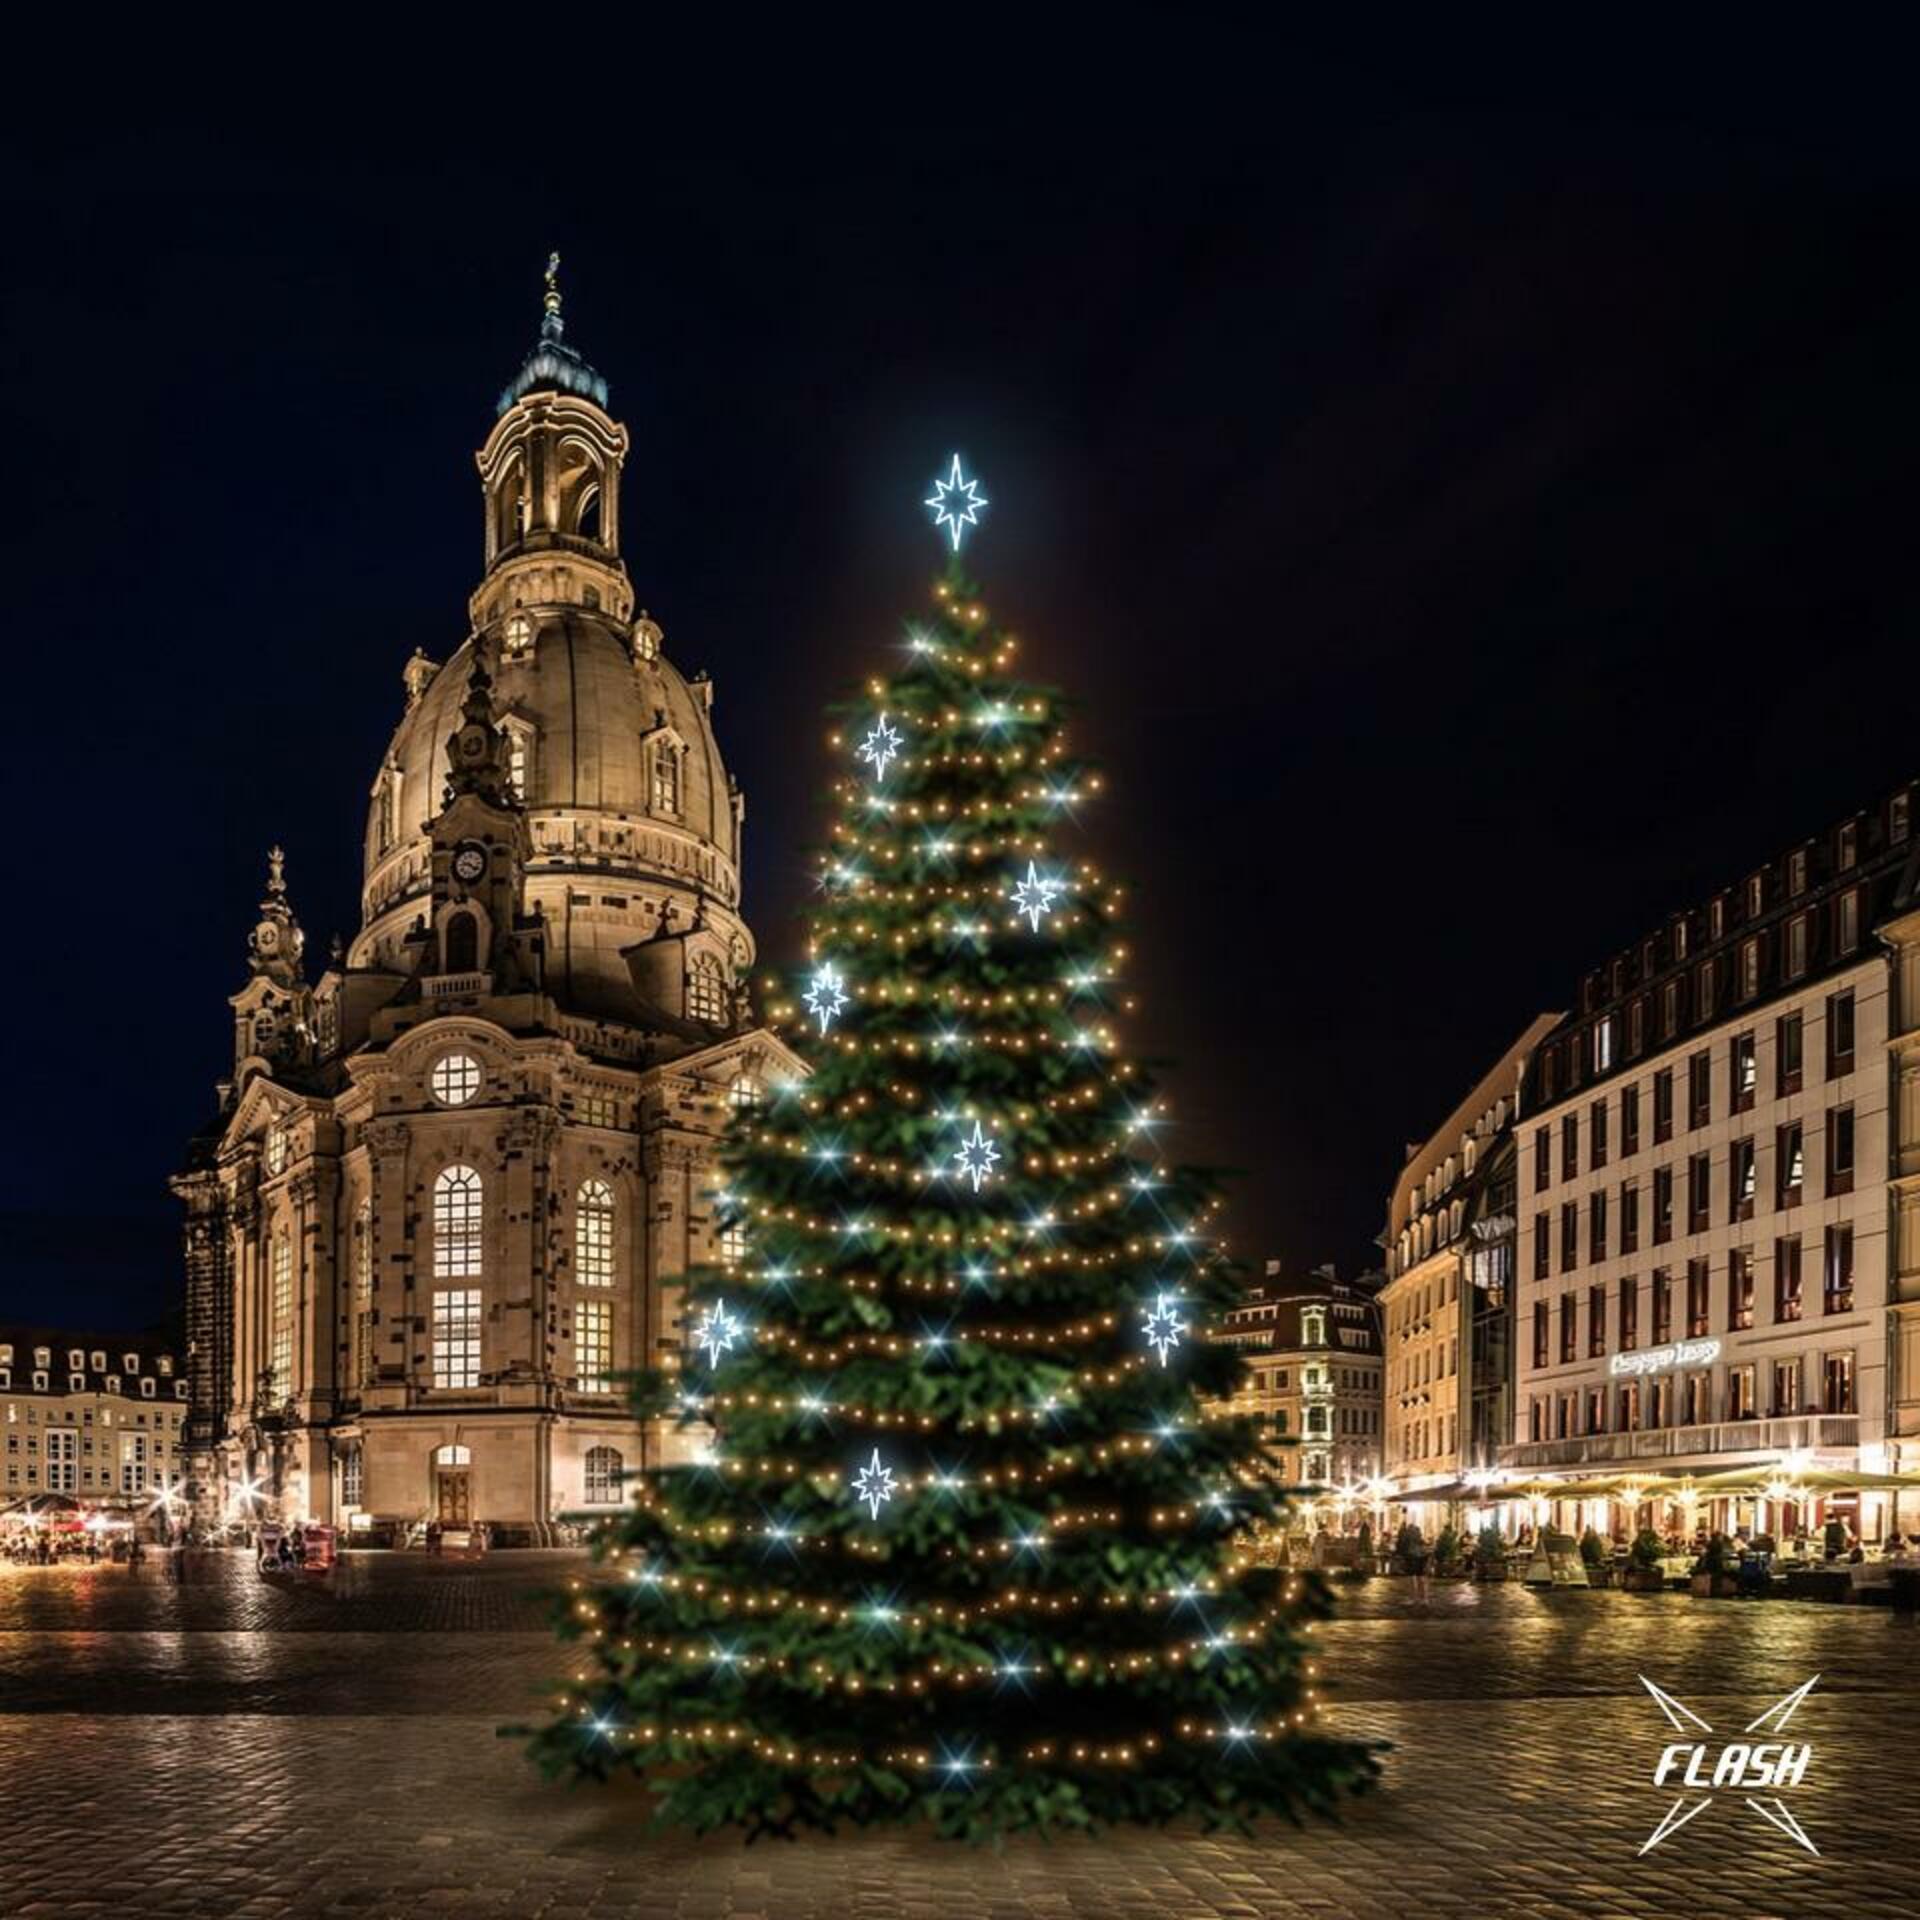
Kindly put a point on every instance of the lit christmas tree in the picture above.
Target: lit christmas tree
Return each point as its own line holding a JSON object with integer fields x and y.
{"x": 965, "y": 1545}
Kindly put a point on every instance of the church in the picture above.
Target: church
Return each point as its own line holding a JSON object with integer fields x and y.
{"x": 452, "y": 1185}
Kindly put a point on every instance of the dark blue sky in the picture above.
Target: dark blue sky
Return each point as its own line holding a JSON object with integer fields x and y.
{"x": 1471, "y": 498}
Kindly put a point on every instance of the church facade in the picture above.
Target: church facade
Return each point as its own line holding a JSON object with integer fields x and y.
{"x": 453, "y": 1184}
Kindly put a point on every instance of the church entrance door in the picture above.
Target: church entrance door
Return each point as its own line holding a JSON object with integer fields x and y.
{"x": 456, "y": 1503}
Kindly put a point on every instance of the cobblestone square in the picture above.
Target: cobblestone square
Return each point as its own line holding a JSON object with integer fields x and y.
{"x": 239, "y": 1746}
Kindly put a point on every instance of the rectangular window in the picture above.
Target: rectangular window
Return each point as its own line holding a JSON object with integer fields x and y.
{"x": 1629, "y": 1405}
{"x": 1597, "y": 1137}
{"x": 1739, "y": 1289}
{"x": 1839, "y": 1034}
{"x": 1846, "y": 922}
{"x": 1743, "y": 1171}
{"x": 61, "y": 1460}
{"x": 1542, "y": 1159}
{"x": 1796, "y": 946}
{"x": 1788, "y": 1039}
{"x": 456, "y": 1337}
{"x": 1699, "y": 1300}
{"x": 1597, "y": 1224}
{"x": 1699, "y": 1193}
{"x": 1839, "y": 1149}
{"x": 1596, "y": 1322}
{"x": 1839, "y": 1274}
{"x": 1698, "y": 1407}
{"x": 1662, "y": 1306}
{"x": 1569, "y": 1145}
{"x": 1629, "y": 1312}
{"x": 1705, "y": 988}
{"x": 133, "y": 1463}
{"x": 1699, "y": 1090}
{"x": 1596, "y": 1410}
{"x": 1838, "y": 1395}
{"x": 1786, "y": 1388}
{"x": 1569, "y": 1236}
{"x": 1542, "y": 1245}
{"x": 1636, "y": 1029}
{"x": 1743, "y": 1071}
{"x": 1663, "y": 1105}
{"x": 1741, "y": 1404}
{"x": 1789, "y": 1165}
{"x": 1629, "y": 1216}
{"x": 1786, "y": 1280}
{"x": 1629, "y": 1122}
{"x": 593, "y": 1345}
{"x": 1749, "y": 968}
{"x": 1670, "y": 1009}
{"x": 1539, "y": 1333}
{"x": 1662, "y": 1205}
{"x": 1569, "y": 1328}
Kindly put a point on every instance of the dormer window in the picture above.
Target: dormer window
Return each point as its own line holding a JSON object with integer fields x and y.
{"x": 1797, "y": 871}
{"x": 1848, "y": 848}
{"x": 1756, "y": 896}
{"x": 76, "y": 1383}
{"x": 1679, "y": 939}
{"x": 43, "y": 1356}
{"x": 76, "y": 1357}
{"x": 1717, "y": 917}
{"x": 666, "y": 776}
{"x": 99, "y": 1361}
{"x": 706, "y": 991}
{"x": 146, "y": 1386}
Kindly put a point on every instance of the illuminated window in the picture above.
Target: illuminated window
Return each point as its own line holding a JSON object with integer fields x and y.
{"x": 363, "y": 1361}
{"x": 281, "y": 1358}
{"x": 744, "y": 1093}
{"x": 604, "y": 1467}
{"x": 706, "y": 991}
{"x": 518, "y": 636}
{"x": 597, "y": 1110}
{"x": 519, "y": 760}
{"x": 666, "y": 777}
{"x": 456, "y": 1225}
{"x": 593, "y": 1234}
{"x": 733, "y": 1243}
{"x": 276, "y": 1149}
{"x": 352, "y": 1483}
{"x": 61, "y": 1459}
{"x": 133, "y": 1463}
{"x": 593, "y": 1345}
{"x": 456, "y": 1337}
{"x": 455, "y": 1079}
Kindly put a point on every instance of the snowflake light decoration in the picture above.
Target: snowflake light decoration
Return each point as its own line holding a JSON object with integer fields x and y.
{"x": 956, "y": 502}
{"x": 718, "y": 1332}
{"x": 1034, "y": 895}
{"x": 977, "y": 1157}
{"x": 874, "y": 1484}
{"x": 1162, "y": 1326}
{"x": 880, "y": 746}
{"x": 826, "y": 996}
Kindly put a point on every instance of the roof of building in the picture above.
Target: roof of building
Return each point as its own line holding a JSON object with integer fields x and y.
{"x": 152, "y": 1356}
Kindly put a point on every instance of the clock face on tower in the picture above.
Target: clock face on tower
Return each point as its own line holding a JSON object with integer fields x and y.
{"x": 469, "y": 861}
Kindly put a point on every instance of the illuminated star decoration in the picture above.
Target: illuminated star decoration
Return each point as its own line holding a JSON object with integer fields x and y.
{"x": 717, "y": 1332}
{"x": 880, "y": 746}
{"x": 826, "y": 996}
{"x": 1034, "y": 895}
{"x": 956, "y": 502}
{"x": 874, "y": 1484}
{"x": 1162, "y": 1326}
{"x": 977, "y": 1157}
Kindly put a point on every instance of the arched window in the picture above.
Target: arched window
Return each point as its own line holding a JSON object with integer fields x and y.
{"x": 666, "y": 777}
{"x": 363, "y": 1367}
{"x": 517, "y": 635}
{"x": 280, "y": 1357}
{"x": 453, "y": 1456}
{"x": 706, "y": 991}
{"x": 587, "y": 515}
{"x": 383, "y": 811}
{"x": 456, "y": 1225}
{"x": 462, "y": 939}
{"x": 604, "y": 1466}
{"x": 593, "y": 1234}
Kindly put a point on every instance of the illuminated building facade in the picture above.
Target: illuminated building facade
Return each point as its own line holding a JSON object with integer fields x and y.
{"x": 1313, "y": 1371}
{"x": 1719, "y": 1180}
{"x": 452, "y": 1185}
{"x": 1447, "y": 1308}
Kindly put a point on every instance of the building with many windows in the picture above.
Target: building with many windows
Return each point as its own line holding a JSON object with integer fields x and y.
{"x": 1719, "y": 1157}
{"x": 1313, "y": 1370}
{"x": 451, "y": 1187}
{"x": 1447, "y": 1308}
{"x": 97, "y": 1417}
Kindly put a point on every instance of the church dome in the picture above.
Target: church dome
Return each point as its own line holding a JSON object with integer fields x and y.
{"x": 633, "y": 823}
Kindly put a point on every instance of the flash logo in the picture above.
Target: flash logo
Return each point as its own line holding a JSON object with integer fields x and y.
{"x": 1734, "y": 1763}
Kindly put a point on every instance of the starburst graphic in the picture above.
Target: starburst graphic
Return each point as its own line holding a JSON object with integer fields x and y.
{"x": 1790, "y": 1766}
{"x": 1163, "y": 1327}
{"x": 977, "y": 1157}
{"x": 874, "y": 1484}
{"x": 880, "y": 746}
{"x": 1034, "y": 896}
{"x": 826, "y": 996}
{"x": 956, "y": 502}
{"x": 718, "y": 1332}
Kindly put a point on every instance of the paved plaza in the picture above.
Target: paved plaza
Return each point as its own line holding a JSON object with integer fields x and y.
{"x": 233, "y": 1746}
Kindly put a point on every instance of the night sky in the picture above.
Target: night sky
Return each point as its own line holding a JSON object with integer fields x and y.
{"x": 1471, "y": 530}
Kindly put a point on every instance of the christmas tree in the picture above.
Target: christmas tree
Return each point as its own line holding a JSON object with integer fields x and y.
{"x": 966, "y": 1541}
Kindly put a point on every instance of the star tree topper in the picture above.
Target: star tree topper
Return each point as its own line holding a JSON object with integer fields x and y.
{"x": 826, "y": 996}
{"x": 956, "y": 502}
{"x": 874, "y": 1484}
{"x": 977, "y": 1157}
{"x": 1162, "y": 1326}
{"x": 880, "y": 746}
